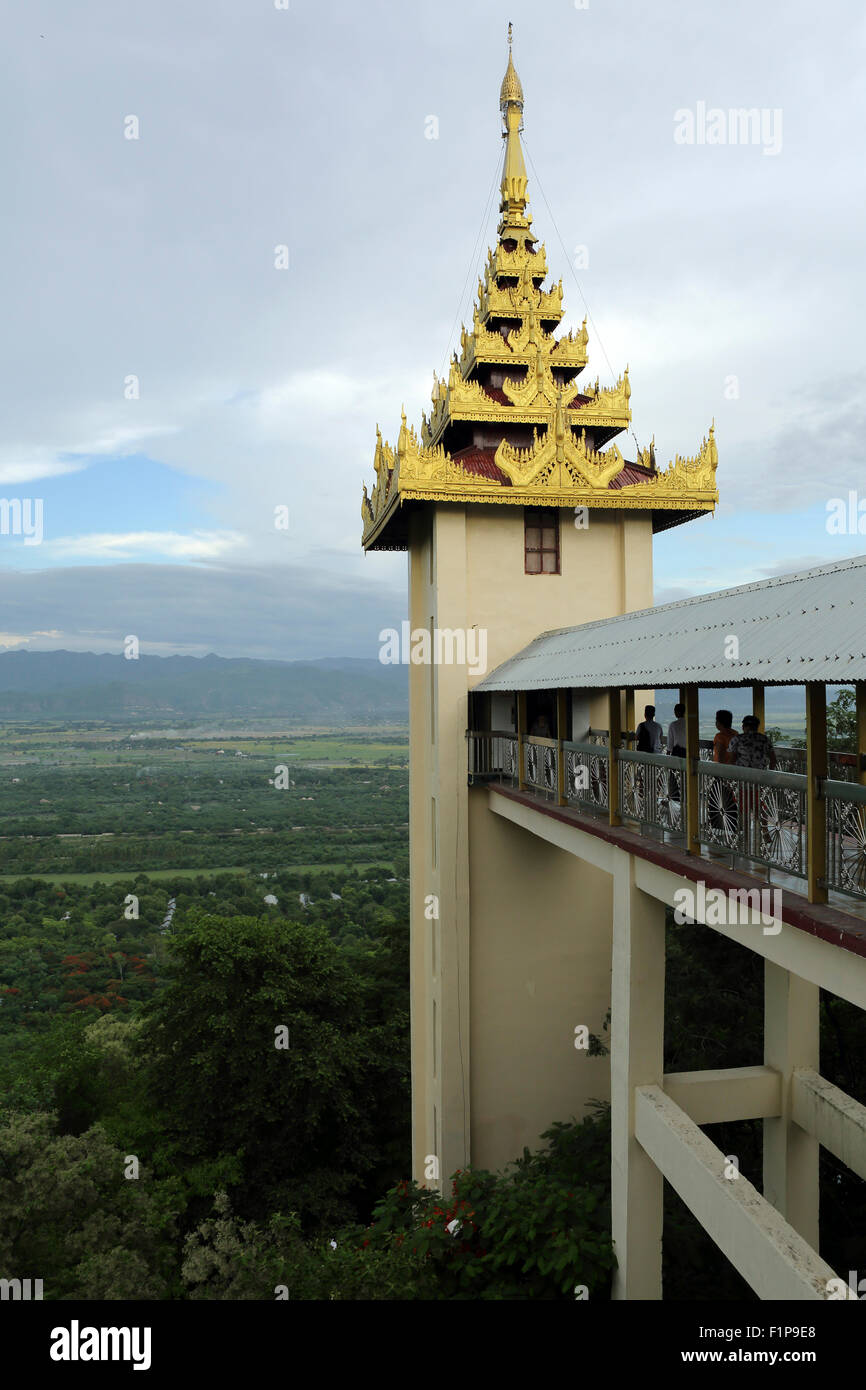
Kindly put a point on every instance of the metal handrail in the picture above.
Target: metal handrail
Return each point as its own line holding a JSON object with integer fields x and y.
{"x": 596, "y": 749}
{"x": 758, "y": 776}
{"x": 832, "y": 790}
{"x": 628, "y": 755}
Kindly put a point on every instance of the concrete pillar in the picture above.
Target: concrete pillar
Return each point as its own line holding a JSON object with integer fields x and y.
{"x": 791, "y": 1027}
{"x": 636, "y": 1059}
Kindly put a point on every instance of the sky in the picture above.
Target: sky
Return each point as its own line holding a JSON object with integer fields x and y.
{"x": 171, "y": 388}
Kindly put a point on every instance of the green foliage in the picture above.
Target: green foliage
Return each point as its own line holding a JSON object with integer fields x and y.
{"x": 226, "y": 1258}
{"x": 310, "y": 1123}
{"x": 842, "y": 722}
{"x": 536, "y": 1231}
{"x": 68, "y": 1215}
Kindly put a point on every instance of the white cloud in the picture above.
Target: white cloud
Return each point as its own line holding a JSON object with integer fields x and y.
{"x": 173, "y": 545}
{"x": 34, "y": 469}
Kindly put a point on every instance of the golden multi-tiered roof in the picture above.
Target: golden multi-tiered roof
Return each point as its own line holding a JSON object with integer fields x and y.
{"x": 509, "y": 424}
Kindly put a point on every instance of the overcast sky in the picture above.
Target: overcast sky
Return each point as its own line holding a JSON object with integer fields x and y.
{"x": 730, "y": 277}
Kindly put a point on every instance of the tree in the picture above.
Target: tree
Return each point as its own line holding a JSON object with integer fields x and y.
{"x": 842, "y": 722}
{"x": 308, "y": 1122}
{"x": 70, "y": 1217}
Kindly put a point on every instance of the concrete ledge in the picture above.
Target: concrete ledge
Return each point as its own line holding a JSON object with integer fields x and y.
{"x": 736, "y": 1093}
{"x": 773, "y": 1259}
{"x": 835, "y": 1119}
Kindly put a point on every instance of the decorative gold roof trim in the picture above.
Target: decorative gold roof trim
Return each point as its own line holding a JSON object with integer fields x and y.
{"x": 512, "y": 301}
{"x": 556, "y": 470}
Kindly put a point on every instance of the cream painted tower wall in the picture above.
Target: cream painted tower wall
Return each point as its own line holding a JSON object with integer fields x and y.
{"x": 510, "y": 940}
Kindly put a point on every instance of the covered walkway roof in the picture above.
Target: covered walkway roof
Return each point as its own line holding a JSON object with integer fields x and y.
{"x": 809, "y": 626}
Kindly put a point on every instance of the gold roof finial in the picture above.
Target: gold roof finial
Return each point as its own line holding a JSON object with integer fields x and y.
{"x": 511, "y": 89}
{"x": 513, "y": 187}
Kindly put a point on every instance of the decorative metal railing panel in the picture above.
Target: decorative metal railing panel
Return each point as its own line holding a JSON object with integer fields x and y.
{"x": 754, "y": 813}
{"x": 492, "y": 756}
{"x": 540, "y": 763}
{"x": 846, "y": 837}
{"x": 651, "y": 789}
{"x": 750, "y": 813}
{"x": 586, "y": 773}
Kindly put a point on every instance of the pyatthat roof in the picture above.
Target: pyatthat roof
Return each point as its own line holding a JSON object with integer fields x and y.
{"x": 801, "y": 627}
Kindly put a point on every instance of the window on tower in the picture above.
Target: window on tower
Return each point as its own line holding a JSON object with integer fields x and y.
{"x": 541, "y": 540}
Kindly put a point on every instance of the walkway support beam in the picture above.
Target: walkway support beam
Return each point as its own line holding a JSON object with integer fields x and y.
{"x": 791, "y": 1027}
{"x": 836, "y": 1120}
{"x": 636, "y": 1058}
{"x": 772, "y": 1257}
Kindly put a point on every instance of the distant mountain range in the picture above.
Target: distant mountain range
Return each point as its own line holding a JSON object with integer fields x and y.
{"x": 332, "y": 690}
{"x": 82, "y": 685}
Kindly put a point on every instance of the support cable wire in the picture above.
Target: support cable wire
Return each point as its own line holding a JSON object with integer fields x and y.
{"x": 473, "y": 261}
{"x": 592, "y": 324}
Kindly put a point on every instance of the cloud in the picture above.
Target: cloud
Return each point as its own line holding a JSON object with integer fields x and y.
{"x": 285, "y": 612}
{"x": 199, "y": 545}
{"x": 32, "y": 470}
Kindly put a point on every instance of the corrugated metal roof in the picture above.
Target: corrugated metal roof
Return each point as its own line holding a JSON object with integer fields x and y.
{"x": 794, "y": 628}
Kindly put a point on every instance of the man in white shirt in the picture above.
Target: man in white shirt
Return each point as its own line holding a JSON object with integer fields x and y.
{"x": 677, "y": 733}
{"x": 649, "y": 733}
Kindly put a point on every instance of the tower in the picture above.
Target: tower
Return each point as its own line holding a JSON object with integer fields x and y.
{"x": 519, "y": 515}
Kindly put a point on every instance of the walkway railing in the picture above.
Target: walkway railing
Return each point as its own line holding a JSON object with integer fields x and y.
{"x": 754, "y": 813}
{"x": 586, "y": 771}
{"x": 651, "y": 789}
{"x": 492, "y": 755}
{"x": 846, "y": 838}
{"x": 749, "y": 813}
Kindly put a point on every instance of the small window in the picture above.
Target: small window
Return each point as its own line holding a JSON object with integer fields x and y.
{"x": 541, "y": 540}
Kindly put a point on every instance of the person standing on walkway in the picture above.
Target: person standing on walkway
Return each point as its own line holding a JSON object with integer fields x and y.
{"x": 752, "y": 748}
{"x": 677, "y": 733}
{"x": 649, "y": 733}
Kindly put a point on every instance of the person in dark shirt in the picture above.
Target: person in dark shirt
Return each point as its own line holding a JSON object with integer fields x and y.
{"x": 751, "y": 748}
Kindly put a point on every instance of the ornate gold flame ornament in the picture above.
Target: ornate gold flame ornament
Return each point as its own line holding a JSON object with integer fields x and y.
{"x": 510, "y": 423}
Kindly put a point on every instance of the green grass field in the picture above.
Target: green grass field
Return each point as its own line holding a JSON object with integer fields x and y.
{"x": 210, "y": 872}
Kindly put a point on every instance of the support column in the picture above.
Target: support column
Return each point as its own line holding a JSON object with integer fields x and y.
{"x": 630, "y": 724}
{"x": 636, "y": 1059}
{"x": 860, "y": 730}
{"x": 614, "y": 725}
{"x": 791, "y": 1030}
{"x": 816, "y": 770}
{"x": 521, "y": 739}
{"x": 759, "y": 705}
{"x": 690, "y": 789}
{"x": 561, "y": 717}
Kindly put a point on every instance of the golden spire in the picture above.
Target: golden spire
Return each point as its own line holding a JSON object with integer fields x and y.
{"x": 514, "y": 181}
